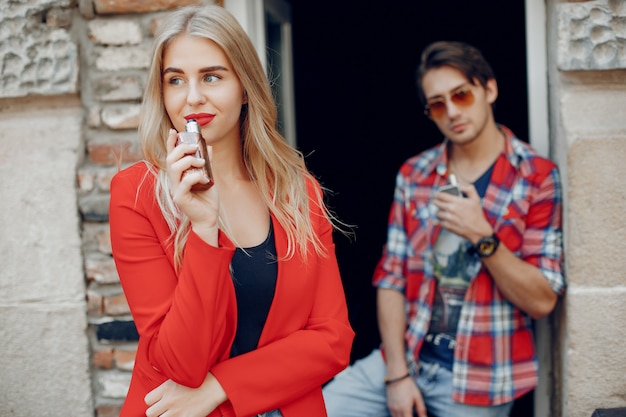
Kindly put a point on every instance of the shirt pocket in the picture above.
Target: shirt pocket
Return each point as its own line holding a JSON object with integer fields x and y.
{"x": 513, "y": 224}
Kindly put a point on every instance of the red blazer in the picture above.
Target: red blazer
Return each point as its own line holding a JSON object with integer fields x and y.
{"x": 186, "y": 321}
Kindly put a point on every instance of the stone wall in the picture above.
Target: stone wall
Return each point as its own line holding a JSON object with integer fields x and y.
{"x": 45, "y": 357}
{"x": 589, "y": 93}
{"x": 44, "y": 362}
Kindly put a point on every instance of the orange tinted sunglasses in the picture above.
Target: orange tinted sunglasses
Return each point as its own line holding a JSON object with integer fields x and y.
{"x": 438, "y": 108}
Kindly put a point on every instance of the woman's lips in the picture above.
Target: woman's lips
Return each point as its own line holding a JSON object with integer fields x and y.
{"x": 202, "y": 118}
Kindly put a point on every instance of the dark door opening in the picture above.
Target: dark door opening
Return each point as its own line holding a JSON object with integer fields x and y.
{"x": 358, "y": 116}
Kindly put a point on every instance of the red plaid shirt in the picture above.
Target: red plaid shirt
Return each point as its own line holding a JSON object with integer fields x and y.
{"x": 494, "y": 358}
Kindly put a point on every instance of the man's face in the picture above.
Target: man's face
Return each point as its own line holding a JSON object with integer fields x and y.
{"x": 460, "y": 109}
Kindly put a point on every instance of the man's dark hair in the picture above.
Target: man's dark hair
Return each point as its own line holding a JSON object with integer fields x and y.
{"x": 462, "y": 56}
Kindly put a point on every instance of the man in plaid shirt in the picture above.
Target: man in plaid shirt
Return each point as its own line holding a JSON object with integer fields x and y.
{"x": 464, "y": 271}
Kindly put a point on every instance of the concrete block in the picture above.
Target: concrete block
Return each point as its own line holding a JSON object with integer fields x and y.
{"x": 45, "y": 360}
{"x": 594, "y": 111}
{"x": 40, "y": 240}
{"x": 596, "y": 360}
{"x": 596, "y": 208}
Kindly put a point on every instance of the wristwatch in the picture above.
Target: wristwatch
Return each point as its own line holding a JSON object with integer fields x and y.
{"x": 487, "y": 246}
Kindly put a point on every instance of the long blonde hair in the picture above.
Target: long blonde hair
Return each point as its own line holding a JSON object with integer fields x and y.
{"x": 277, "y": 169}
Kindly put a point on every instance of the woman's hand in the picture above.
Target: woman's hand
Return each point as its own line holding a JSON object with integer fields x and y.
{"x": 173, "y": 400}
{"x": 201, "y": 207}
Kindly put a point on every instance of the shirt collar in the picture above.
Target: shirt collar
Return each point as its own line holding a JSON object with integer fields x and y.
{"x": 440, "y": 161}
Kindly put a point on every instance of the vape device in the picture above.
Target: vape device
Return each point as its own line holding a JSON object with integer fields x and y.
{"x": 192, "y": 136}
{"x": 452, "y": 188}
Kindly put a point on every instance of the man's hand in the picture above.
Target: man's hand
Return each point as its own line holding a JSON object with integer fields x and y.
{"x": 463, "y": 216}
{"x": 403, "y": 397}
{"x": 519, "y": 281}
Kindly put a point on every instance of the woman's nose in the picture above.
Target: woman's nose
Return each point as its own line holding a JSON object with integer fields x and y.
{"x": 195, "y": 95}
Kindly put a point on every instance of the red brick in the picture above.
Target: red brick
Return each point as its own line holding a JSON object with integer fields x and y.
{"x": 108, "y": 410}
{"x": 116, "y": 305}
{"x": 113, "y": 152}
{"x": 125, "y": 359}
{"x": 94, "y": 303}
{"x": 138, "y": 6}
{"x": 103, "y": 358}
{"x": 86, "y": 180}
{"x": 121, "y": 116}
{"x": 93, "y": 116}
{"x": 101, "y": 269}
{"x": 103, "y": 180}
{"x": 154, "y": 24}
{"x": 104, "y": 242}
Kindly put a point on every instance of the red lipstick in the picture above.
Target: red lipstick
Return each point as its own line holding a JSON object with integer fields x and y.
{"x": 202, "y": 118}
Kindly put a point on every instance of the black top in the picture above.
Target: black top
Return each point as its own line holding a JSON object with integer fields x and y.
{"x": 482, "y": 183}
{"x": 254, "y": 272}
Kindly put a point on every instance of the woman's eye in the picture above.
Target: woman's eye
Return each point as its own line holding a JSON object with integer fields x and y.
{"x": 211, "y": 78}
{"x": 175, "y": 81}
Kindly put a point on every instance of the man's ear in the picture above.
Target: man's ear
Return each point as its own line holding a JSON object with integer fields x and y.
{"x": 491, "y": 90}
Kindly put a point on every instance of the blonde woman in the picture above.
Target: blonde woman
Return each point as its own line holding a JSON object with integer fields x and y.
{"x": 235, "y": 290}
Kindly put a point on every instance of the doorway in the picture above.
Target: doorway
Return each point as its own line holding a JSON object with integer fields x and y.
{"x": 358, "y": 116}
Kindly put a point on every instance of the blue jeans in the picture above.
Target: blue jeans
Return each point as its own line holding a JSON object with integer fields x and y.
{"x": 274, "y": 413}
{"x": 359, "y": 391}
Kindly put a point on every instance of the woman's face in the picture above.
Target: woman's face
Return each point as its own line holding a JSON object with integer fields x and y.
{"x": 199, "y": 83}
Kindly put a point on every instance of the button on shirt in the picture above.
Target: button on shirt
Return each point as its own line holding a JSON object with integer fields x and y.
{"x": 494, "y": 358}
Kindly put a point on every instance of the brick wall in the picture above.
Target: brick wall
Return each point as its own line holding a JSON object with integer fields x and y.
{"x": 115, "y": 45}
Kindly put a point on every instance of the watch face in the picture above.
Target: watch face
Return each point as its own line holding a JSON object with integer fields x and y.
{"x": 486, "y": 247}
